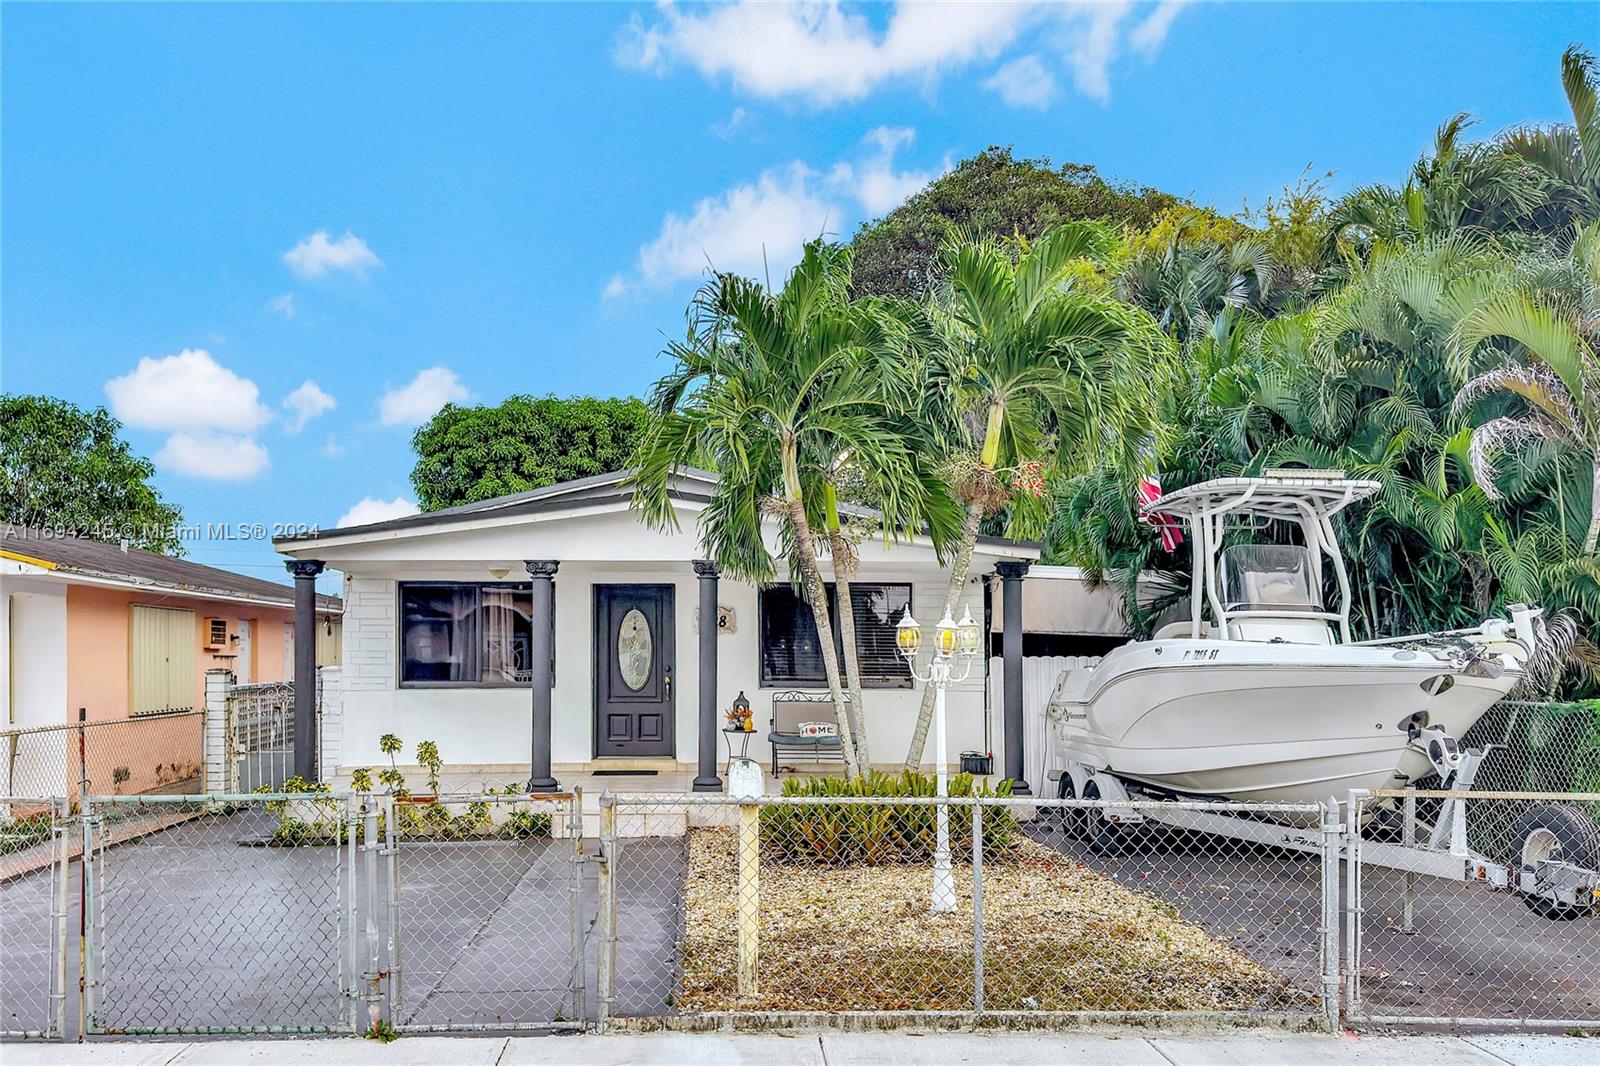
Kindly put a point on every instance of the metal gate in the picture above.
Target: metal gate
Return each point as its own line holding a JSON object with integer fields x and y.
{"x": 221, "y": 914}
{"x": 35, "y": 909}
{"x": 487, "y": 913}
{"x": 1459, "y": 945}
{"x": 260, "y": 736}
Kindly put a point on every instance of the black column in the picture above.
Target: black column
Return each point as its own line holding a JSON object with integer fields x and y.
{"x": 305, "y": 573}
{"x": 1011, "y": 574}
{"x": 707, "y": 780}
{"x": 543, "y": 572}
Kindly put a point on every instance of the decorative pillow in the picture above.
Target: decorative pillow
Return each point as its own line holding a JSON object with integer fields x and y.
{"x": 819, "y": 729}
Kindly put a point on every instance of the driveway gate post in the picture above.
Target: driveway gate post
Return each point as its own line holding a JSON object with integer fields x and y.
{"x": 374, "y": 974}
{"x": 977, "y": 906}
{"x": 606, "y": 961}
{"x": 1332, "y": 841}
{"x": 1353, "y": 910}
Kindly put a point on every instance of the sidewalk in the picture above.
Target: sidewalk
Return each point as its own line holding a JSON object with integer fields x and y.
{"x": 839, "y": 1049}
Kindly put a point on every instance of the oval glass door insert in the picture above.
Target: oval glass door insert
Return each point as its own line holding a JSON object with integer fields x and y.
{"x": 634, "y": 649}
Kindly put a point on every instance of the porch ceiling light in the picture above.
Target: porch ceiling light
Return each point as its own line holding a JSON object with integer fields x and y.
{"x": 499, "y": 572}
{"x": 967, "y": 635}
{"x": 908, "y": 635}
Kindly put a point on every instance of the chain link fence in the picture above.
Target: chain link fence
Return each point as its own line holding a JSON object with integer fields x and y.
{"x": 1491, "y": 922}
{"x": 33, "y": 917}
{"x": 152, "y": 753}
{"x": 790, "y": 907}
{"x": 487, "y": 912}
{"x": 232, "y": 913}
{"x": 221, "y": 914}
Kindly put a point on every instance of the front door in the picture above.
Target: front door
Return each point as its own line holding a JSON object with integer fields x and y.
{"x": 633, "y": 654}
{"x": 245, "y": 665}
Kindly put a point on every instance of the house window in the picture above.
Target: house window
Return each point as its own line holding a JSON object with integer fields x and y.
{"x": 791, "y": 654}
{"x": 456, "y": 634}
{"x": 163, "y": 646}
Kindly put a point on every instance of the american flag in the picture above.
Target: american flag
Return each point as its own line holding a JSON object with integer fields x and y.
{"x": 1148, "y": 492}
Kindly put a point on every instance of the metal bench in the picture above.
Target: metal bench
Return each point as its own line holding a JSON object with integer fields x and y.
{"x": 789, "y": 709}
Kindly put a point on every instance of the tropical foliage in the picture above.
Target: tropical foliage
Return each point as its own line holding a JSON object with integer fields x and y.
{"x": 1445, "y": 344}
{"x": 1016, "y": 348}
{"x": 777, "y": 392}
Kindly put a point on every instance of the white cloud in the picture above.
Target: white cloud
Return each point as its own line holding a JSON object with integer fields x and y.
{"x": 373, "y": 510}
{"x": 1024, "y": 82}
{"x": 282, "y": 305}
{"x": 734, "y": 122}
{"x": 187, "y": 391}
{"x": 415, "y": 403}
{"x": 823, "y": 54}
{"x": 1090, "y": 40}
{"x": 305, "y": 403}
{"x": 818, "y": 50}
{"x": 748, "y": 229}
{"x": 758, "y": 228}
{"x": 1148, "y": 35}
{"x": 317, "y": 254}
{"x": 216, "y": 456}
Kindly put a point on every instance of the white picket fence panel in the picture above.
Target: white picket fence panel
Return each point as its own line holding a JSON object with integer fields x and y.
{"x": 1039, "y": 674}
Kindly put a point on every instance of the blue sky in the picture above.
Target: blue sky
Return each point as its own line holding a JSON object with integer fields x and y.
{"x": 206, "y": 207}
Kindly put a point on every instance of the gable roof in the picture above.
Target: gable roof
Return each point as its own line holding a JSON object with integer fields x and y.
{"x": 80, "y": 556}
{"x": 690, "y": 485}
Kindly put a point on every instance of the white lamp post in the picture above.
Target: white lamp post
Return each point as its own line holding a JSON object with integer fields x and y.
{"x": 950, "y": 639}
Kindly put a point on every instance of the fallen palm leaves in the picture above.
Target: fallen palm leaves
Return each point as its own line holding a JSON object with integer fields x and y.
{"x": 1057, "y": 937}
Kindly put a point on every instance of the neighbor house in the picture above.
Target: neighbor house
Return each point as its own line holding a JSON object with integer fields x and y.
{"x": 552, "y": 634}
{"x": 121, "y": 634}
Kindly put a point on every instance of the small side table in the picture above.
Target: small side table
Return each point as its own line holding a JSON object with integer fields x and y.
{"x": 745, "y": 779}
{"x": 744, "y": 736}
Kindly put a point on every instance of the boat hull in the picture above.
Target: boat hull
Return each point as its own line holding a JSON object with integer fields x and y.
{"x": 1266, "y": 722}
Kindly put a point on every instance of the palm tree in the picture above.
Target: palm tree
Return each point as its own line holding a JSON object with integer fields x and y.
{"x": 764, "y": 389}
{"x": 1020, "y": 351}
{"x": 1519, "y": 190}
{"x": 1553, "y": 369}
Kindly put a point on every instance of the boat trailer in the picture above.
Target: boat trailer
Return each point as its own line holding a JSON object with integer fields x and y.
{"x": 1556, "y": 845}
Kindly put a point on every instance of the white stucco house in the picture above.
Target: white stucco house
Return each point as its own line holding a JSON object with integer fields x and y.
{"x": 550, "y": 634}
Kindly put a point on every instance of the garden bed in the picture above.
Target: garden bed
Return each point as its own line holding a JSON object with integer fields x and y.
{"x": 1058, "y": 937}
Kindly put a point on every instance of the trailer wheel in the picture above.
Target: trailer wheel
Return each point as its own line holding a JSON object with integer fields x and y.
{"x": 1105, "y": 836}
{"x": 1555, "y": 831}
{"x": 1074, "y": 820}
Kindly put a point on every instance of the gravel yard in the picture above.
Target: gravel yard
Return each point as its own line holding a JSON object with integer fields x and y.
{"x": 1058, "y": 936}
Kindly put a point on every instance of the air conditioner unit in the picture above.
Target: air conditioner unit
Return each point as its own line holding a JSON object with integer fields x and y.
{"x": 216, "y": 632}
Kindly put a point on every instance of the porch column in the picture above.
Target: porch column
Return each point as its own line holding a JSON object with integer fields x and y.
{"x": 707, "y": 780}
{"x": 543, "y": 572}
{"x": 1011, "y": 574}
{"x": 305, "y": 573}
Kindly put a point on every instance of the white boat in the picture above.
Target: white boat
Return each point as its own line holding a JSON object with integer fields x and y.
{"x": 1261, "y": 694}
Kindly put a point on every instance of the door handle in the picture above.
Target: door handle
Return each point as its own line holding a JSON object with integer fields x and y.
{"x": 669, "y": 682}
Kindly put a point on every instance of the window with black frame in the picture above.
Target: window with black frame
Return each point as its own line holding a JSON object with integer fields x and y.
{"x": 791, "y": 653}
{"x": 467, "y": 634}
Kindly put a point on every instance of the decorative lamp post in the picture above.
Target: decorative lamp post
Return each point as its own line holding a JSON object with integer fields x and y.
{"x": 951, "y": 639}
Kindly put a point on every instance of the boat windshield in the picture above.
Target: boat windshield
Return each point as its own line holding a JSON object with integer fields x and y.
{"x": 1268, "y": 577}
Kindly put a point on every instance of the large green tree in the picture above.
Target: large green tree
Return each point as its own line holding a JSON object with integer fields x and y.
{"x": 64, "y": 467}
{"x": 465, "y": 454}
{"x": 993, "y": 194}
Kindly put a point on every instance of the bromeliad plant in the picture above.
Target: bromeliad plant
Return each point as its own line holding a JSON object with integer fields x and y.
{"x": 842, "y": 833}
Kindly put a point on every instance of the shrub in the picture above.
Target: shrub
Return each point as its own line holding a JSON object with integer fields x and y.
{"x": 874, "y": 834}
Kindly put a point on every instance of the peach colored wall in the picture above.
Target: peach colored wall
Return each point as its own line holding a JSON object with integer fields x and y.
{"x": 97, "y": 645}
